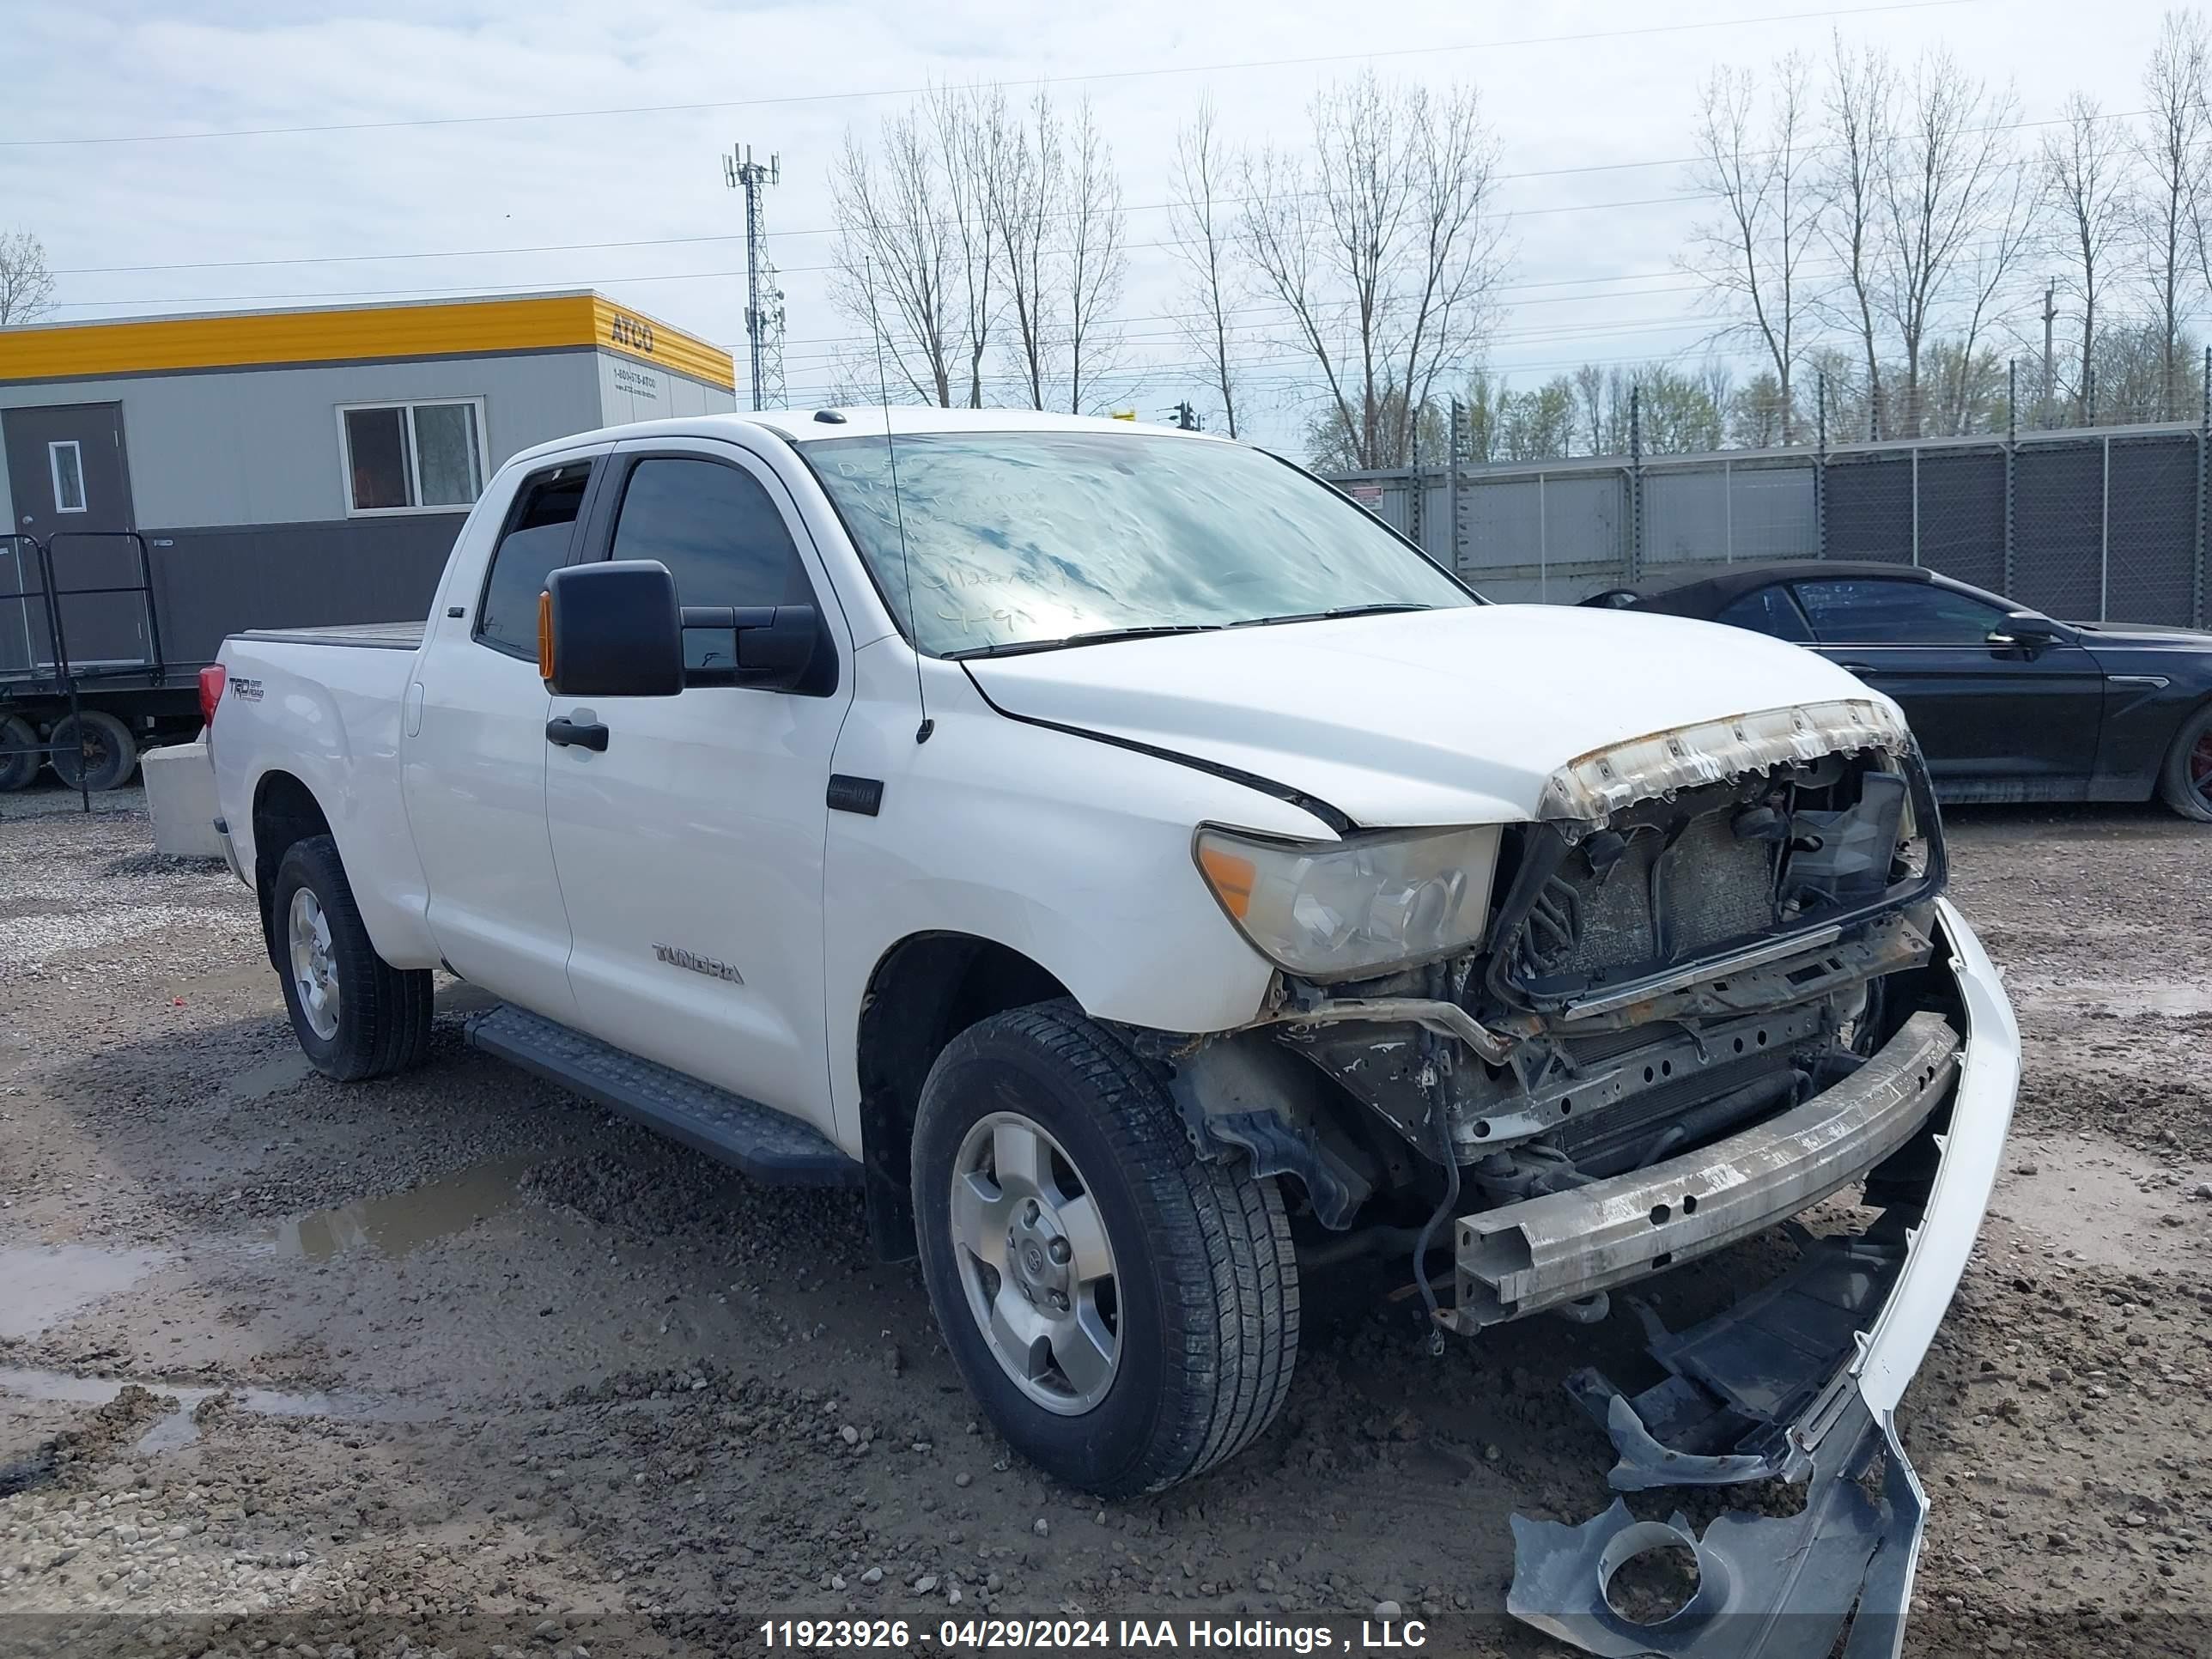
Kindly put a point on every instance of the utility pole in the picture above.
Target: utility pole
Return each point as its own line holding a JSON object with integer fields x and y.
{"x": 2050, "y": 315}
{"x": 763, "y": 298}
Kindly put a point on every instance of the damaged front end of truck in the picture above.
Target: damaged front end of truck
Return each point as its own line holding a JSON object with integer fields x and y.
{"x": 1717, "y": 984}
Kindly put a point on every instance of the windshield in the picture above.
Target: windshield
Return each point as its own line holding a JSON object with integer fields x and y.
{"x": 1023, "y": 540}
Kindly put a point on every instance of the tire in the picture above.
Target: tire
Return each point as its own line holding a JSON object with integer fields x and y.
{"x": 2185, "y": 782}
{"x": 97, "y": 745}
{"x": 1203, "y": 1313}
{"x": 17, "y": 770}
{"x": 366, "y": 1019}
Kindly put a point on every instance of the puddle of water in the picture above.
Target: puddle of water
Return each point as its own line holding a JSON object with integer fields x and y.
{"x": 177, "y": 1428}
{"x": 48, "y": 1283}
{"x": 394, "y": 1225}
{"x": 259, "y": 1082}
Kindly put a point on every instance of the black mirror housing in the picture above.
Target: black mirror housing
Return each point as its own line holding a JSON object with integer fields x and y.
{"x": 611, "y": 629}
{"x": 2029, "y": 630}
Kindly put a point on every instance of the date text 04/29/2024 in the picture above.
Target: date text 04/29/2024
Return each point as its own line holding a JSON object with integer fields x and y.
{"x": 1236, "y": 1636}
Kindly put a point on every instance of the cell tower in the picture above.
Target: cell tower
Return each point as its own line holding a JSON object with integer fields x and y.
{"x": 764, "y": 294}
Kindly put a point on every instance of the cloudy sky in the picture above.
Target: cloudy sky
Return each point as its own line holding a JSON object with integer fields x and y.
{"x": 181, "y": 154}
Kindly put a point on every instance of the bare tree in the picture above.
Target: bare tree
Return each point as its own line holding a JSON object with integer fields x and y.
{"x": 968, "y": 125}
{"x": 2086, "y": 173}
{"x": 1944, "y": 188}
{"x": 895, "y": 257}
{"x": 26, "y": 286}
{"x": 1026, "y": 184}
{"x": 1589, "y": 389}
{"x": 2011, "y": 224}
{"x": 1383, "y": 245}
{"x": 2171, "y": 145}
{"x": 1752, "y": 256}
{"x": 1861, "y": 109}
{"x": 1200, "y": 226}
{"x": 1093, "y": 256}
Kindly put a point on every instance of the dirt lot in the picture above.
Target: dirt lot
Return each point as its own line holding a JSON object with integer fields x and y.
{"x": 455, "y": 1360}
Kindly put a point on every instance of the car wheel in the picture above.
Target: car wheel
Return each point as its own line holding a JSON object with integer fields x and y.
{"x": 2186, "y": 783}
{"x": 18, "y": 769}
{"x": 96, "y": 746}
{"x": 1126, "y": 1311}
{"x": 355, "y": 1015}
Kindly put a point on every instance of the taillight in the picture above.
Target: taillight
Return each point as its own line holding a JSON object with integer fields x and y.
{"x": 211, "y": 684}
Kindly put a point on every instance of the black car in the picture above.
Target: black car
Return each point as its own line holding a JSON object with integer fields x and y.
{"x": 2007, "y": 704}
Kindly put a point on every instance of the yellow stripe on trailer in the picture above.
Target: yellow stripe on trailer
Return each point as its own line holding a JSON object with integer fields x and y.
{"x": 65, "y": 351}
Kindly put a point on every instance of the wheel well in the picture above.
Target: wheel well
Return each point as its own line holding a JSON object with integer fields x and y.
{"x": 285, "y": 810}
{"x": 925, "y": 991}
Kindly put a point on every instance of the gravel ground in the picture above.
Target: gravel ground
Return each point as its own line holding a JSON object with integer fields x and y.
{"x": 455, "y": 1362}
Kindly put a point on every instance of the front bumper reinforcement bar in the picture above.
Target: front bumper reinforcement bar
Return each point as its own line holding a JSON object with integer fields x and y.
{"x": 1563, "y": 1247}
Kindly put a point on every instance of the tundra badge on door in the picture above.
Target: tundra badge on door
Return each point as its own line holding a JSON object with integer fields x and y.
{"x": 677, "y": 957}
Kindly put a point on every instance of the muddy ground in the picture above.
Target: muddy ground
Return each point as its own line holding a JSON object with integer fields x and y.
{"x": 455, "y": 1360}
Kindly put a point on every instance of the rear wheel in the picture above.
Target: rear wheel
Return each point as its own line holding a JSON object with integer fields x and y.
{"x": 355, "y": 1015}
{"x": 19, "y": 768}
{"x": 93, "y": 750}
{"x": 2186, "y": 783}
{"x": 1125, "y": 1312}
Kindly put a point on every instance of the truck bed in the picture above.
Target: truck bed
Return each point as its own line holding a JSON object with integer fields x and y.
{"x": 365, "y": 636}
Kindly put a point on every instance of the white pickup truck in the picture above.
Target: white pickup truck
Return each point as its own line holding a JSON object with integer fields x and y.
{"x": 1133, "y": 866}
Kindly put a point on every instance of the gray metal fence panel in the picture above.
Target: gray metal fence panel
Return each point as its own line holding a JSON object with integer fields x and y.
{"x": 1869, "y": 509}
{"x": 1961, "y": 530}
{"x": 2150, "y": 530}
{"x": 2058, "y": 520}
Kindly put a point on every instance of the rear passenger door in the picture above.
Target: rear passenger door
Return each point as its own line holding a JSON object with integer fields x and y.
{"x": 473, "y": 747}
{"x": 690, "y": 849}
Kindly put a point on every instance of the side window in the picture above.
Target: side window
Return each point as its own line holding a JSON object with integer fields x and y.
{"x": 540, "y": 529}
{"x": 719, "y": 533}
{"x": 1768, "y": 611}
{"x": 1872, "y": 611}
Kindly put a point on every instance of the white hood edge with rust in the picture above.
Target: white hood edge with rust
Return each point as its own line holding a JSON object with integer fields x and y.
{"x": 1437, "y": 717}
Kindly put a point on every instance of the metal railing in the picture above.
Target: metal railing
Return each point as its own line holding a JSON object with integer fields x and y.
{"x": 55, "y": 673}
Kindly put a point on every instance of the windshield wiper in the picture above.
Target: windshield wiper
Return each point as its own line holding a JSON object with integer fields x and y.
{"x": 1100, "y": 637}
{"x": 1381, "y": 609}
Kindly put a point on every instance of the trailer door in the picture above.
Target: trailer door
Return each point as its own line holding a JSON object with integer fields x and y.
{"x": 70, "y": 477}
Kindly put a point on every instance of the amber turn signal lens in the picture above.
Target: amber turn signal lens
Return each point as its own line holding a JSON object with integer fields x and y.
{"x": 1232, "y": 877}
{"x": 544, "y": 636}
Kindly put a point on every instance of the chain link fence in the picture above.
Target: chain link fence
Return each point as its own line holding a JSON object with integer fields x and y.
{"x": 2098, "y": 524}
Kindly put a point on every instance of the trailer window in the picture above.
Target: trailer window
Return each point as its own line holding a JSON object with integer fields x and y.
{"x": 66, "y": 461}
{"x": 412, "y": 458}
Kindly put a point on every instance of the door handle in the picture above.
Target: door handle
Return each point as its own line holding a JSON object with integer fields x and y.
{"x": 1861, "y": 669}
{"x": 566, "y": 732}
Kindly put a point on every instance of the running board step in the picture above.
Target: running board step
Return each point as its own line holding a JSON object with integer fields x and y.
{"x": 767, "y": 1145}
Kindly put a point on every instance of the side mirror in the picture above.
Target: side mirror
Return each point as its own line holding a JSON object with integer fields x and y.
{"x": 610, "y": 630}
{"x": 770, "y": 646}
{"x": 2027, "y": 630}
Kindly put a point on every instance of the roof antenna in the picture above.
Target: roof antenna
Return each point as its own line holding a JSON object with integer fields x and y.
{"x": 898, "y": 510}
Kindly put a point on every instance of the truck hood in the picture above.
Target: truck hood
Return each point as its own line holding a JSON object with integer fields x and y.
{"x": 1435, "y": 717}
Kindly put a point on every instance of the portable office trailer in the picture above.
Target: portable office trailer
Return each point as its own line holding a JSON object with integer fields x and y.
{"x": 183, "y": 477}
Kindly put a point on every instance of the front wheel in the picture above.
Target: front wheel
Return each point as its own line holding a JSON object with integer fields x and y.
{"x": 1125, "y": 1312}
{"x": 355, "y": 1015}
{"x": 2186, "y": 782}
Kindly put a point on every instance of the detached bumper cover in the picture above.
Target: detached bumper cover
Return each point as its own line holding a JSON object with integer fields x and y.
{"x": 1800, "y": 1381}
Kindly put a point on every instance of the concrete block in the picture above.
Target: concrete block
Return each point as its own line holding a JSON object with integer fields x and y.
{"x": 180, "y": 796}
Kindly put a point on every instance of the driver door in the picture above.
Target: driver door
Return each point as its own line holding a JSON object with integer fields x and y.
{"x": 690, "y": 848}
{"x": 1991, "y": 717}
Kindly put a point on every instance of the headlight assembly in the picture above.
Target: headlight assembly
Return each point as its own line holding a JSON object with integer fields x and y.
{"x": 1353, "y": 909}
